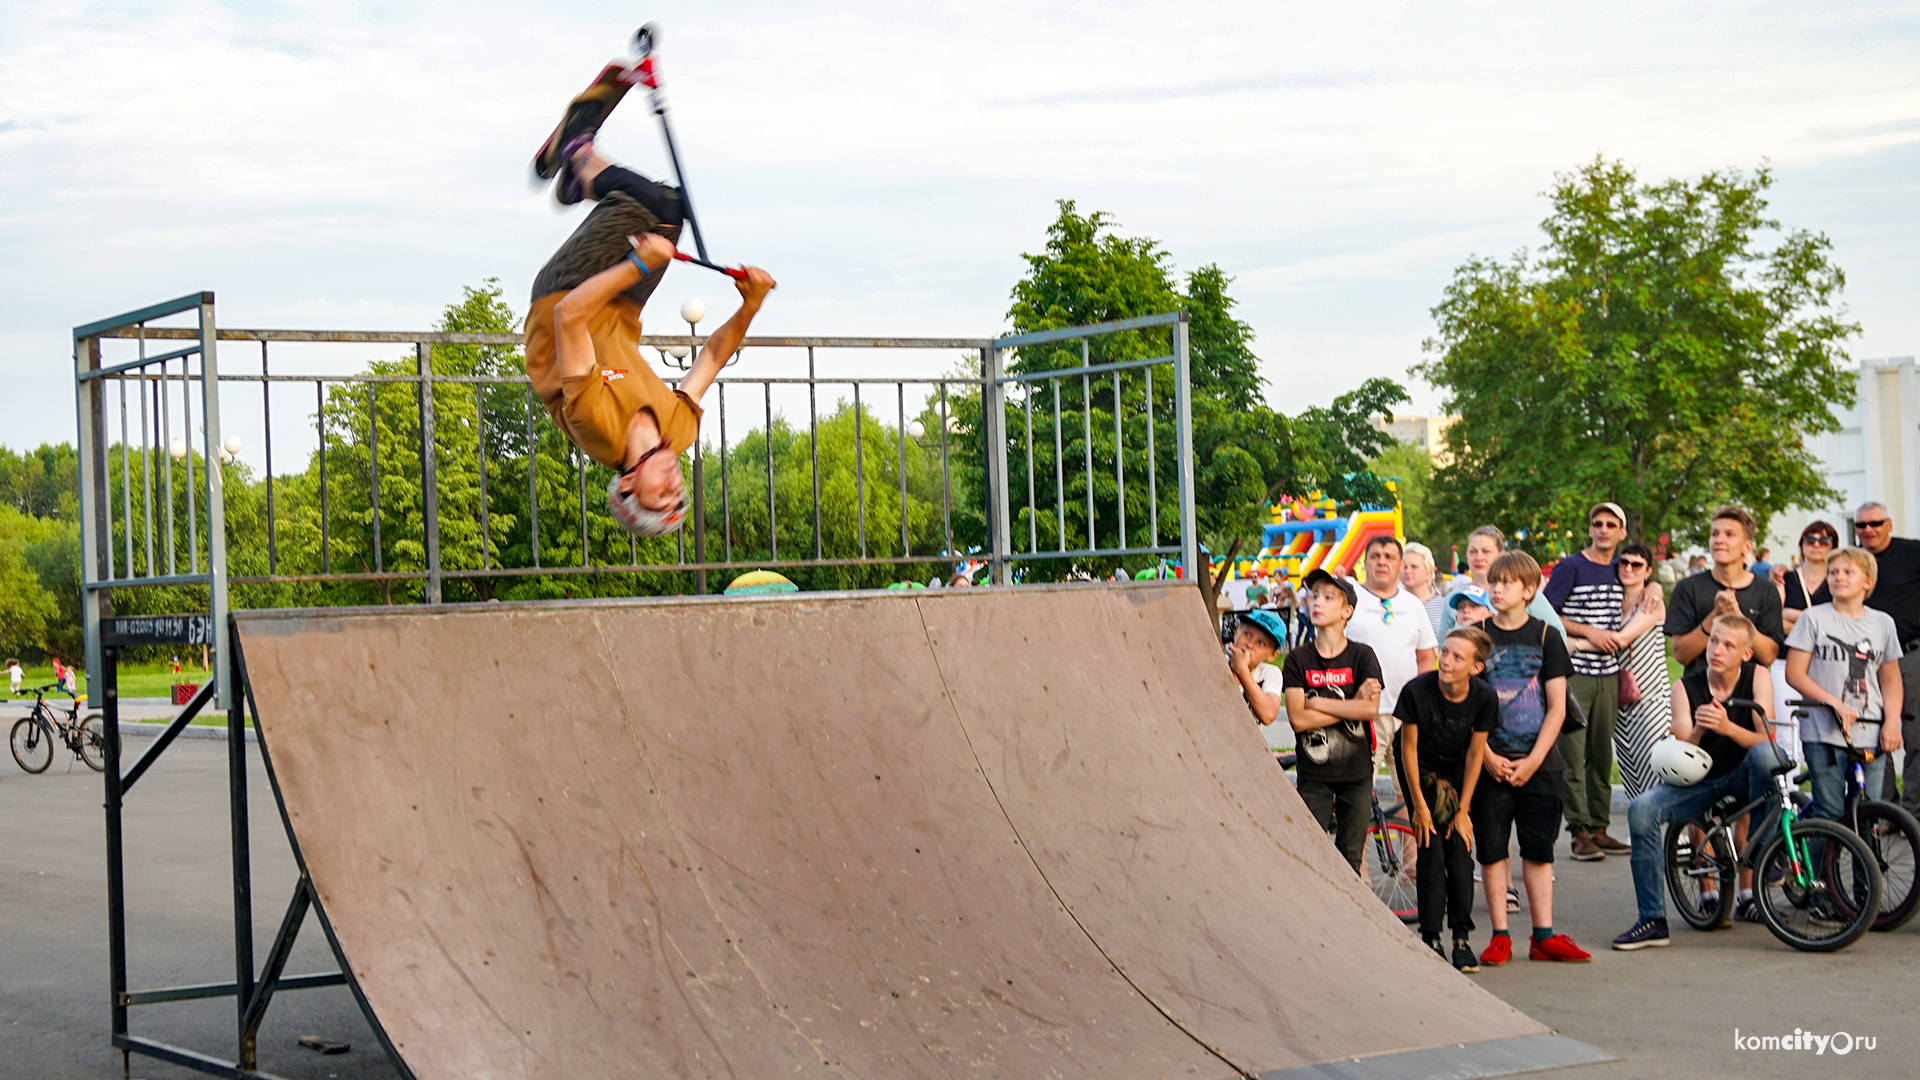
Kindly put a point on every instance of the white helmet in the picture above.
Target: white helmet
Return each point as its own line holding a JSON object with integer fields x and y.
{"x": 1680, "y": 763}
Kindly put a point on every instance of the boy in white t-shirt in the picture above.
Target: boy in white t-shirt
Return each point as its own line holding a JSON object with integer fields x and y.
{"x": 1257, "y": 639}
{"x": 14, "y": 675}
{"x": 1846, "y": 656}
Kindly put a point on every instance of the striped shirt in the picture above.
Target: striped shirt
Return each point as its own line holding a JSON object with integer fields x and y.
{"x": 1585, "y": 591}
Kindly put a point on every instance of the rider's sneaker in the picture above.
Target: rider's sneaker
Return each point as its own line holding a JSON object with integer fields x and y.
{"x": 584, "y": 115}
{"x": 1558, "y": 947}
{"x": 1709, "y": 901}
{"x": 1498, "y": 951}
{"x": 1746, "y": 909}
{"x": 1647, "y": 933}
{"x": 1463, "y": 958}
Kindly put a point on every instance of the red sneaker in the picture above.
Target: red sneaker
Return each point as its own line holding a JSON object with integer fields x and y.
{"x": 1558, "y": 947}
{"x": 1499, "y": 951}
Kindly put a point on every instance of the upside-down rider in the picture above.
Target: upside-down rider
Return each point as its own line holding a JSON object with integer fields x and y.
{"x": 583, "y": 332}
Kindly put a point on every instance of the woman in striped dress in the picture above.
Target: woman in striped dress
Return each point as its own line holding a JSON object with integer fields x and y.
{"x": 1648, "y": 720}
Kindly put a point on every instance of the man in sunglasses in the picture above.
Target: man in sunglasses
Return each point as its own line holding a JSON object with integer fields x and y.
{"x": 1586, "y": 591}
{"x": 1896, "y": 592}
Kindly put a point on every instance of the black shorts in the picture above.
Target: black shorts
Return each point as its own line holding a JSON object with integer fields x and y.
{"x": 1533, "y": 811}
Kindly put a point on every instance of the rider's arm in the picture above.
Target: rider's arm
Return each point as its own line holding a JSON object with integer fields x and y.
{"x": 1893, "y": 697}
{"x": 724, "y": 342}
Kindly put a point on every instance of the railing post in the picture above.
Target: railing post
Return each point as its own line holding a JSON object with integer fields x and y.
{"x": 1183, "y": 451}
{"x": 700, "y": 515}
{"x": 429, "y": 472}
{"x": 90, "y": 442}
{"x": 993, "y": 408}
{"x": 242, "y": 856}
{"x": 216, "y": 502}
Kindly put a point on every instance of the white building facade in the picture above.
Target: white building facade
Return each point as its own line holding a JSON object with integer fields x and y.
{"x": 1874, "y": 456}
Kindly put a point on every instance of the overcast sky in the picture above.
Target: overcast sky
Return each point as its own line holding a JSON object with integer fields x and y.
{"x": 352, "y": 165}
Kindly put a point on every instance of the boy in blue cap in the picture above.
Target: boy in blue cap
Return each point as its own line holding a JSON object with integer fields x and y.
{"x": 1257, "y": 639}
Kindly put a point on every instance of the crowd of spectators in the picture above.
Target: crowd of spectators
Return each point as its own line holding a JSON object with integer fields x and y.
{"x": 1503, "y": 702}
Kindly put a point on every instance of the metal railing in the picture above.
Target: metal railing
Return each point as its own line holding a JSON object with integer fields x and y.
{"x": 152, "y": 516}
{"x": 421, "y": 421}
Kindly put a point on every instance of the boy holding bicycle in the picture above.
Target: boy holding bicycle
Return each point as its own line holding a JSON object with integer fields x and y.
{"x": 1846, "y": 656}
{"x": 1735, "y": 737}
{"x": 1445, "y": 717}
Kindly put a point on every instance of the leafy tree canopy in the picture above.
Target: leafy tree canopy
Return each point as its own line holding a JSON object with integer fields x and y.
{"x": 1245, "y": 453}
{"x": 1654, "y": 352}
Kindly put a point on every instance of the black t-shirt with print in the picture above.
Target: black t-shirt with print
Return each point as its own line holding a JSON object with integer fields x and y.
{"x": 1446, "y": 727}
{"x": 1337, "y": 677}
{"x": 1518, "y": 668}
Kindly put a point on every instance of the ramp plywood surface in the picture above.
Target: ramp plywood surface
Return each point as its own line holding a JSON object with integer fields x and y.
{"x": 993, "y": 833}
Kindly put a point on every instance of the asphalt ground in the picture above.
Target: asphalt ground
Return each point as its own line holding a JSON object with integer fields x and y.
{"x": 1663, "y": 1012}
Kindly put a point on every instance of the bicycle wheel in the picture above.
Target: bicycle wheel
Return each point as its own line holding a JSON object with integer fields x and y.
{"x": 32, "y": 746}
{"x": 1700, "y": 876}
{"x": 92, "y": 745}
{"x": 1828, "y": 887}
{"x": 1894, "y": 837}
{"x": 1390, "y": 852}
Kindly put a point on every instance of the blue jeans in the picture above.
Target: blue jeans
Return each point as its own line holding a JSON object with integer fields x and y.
{"x": 1827, "y": 766}
{"x": 1661, "y": 803}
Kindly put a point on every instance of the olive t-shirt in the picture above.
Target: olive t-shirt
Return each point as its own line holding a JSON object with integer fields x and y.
{"x": 1446, "y": 727}
{"x": 595, "y": 409}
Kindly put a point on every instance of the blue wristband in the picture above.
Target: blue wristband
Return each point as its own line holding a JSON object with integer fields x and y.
{"x": 635, "y": 256}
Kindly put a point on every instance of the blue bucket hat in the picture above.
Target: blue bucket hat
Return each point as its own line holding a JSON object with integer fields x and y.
{"x": 1471, "y": 594}
{"x": 1270, "y": 623}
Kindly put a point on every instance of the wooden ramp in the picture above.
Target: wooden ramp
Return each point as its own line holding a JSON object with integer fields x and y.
{"x": 995, "y": 833}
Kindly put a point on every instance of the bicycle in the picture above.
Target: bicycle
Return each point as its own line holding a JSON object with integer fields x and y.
{"x": 34, "y": 735}
{"x": 1390, "y": 870}
{"x": 1889, "y": 830}
{"x": 1816, "y": 884}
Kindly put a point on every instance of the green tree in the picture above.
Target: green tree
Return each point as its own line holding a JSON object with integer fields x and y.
{"x": 27, "y": 607}
{"x": 1245, "y": 453}
{"x": 1654, "y": 352}
{"x": 1411, "y": 470}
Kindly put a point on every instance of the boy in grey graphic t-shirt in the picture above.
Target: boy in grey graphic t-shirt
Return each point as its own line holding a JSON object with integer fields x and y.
{"x": 1845, "y": 655}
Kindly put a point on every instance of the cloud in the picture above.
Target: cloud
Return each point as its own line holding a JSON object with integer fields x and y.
{"x": 348, "y": 164}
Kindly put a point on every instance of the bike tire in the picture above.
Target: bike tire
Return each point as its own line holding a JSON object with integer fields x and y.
{"x": 91, "y": 744}
{"x": 1392, "y": 849}
{"x": 1894, "y": 836}
{"x": 1841, "y": 897}
{"x": 32, "y": 744}
{"x": 1694, "y": 874}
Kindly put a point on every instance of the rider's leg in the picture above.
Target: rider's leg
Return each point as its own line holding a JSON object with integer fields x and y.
{"x": 600, "y": 177}
{"x": 1647, "y": 816}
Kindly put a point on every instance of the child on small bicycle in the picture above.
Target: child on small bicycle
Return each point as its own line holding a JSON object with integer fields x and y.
{"x": 1257, "y": 638}
{"x": 1332, "y": 687}
{"x": 1445, "y": 717}
{"x": 1846, "y": 656}
{"x": 1522, "y": 792}
{"x": 1743, "y": 755}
